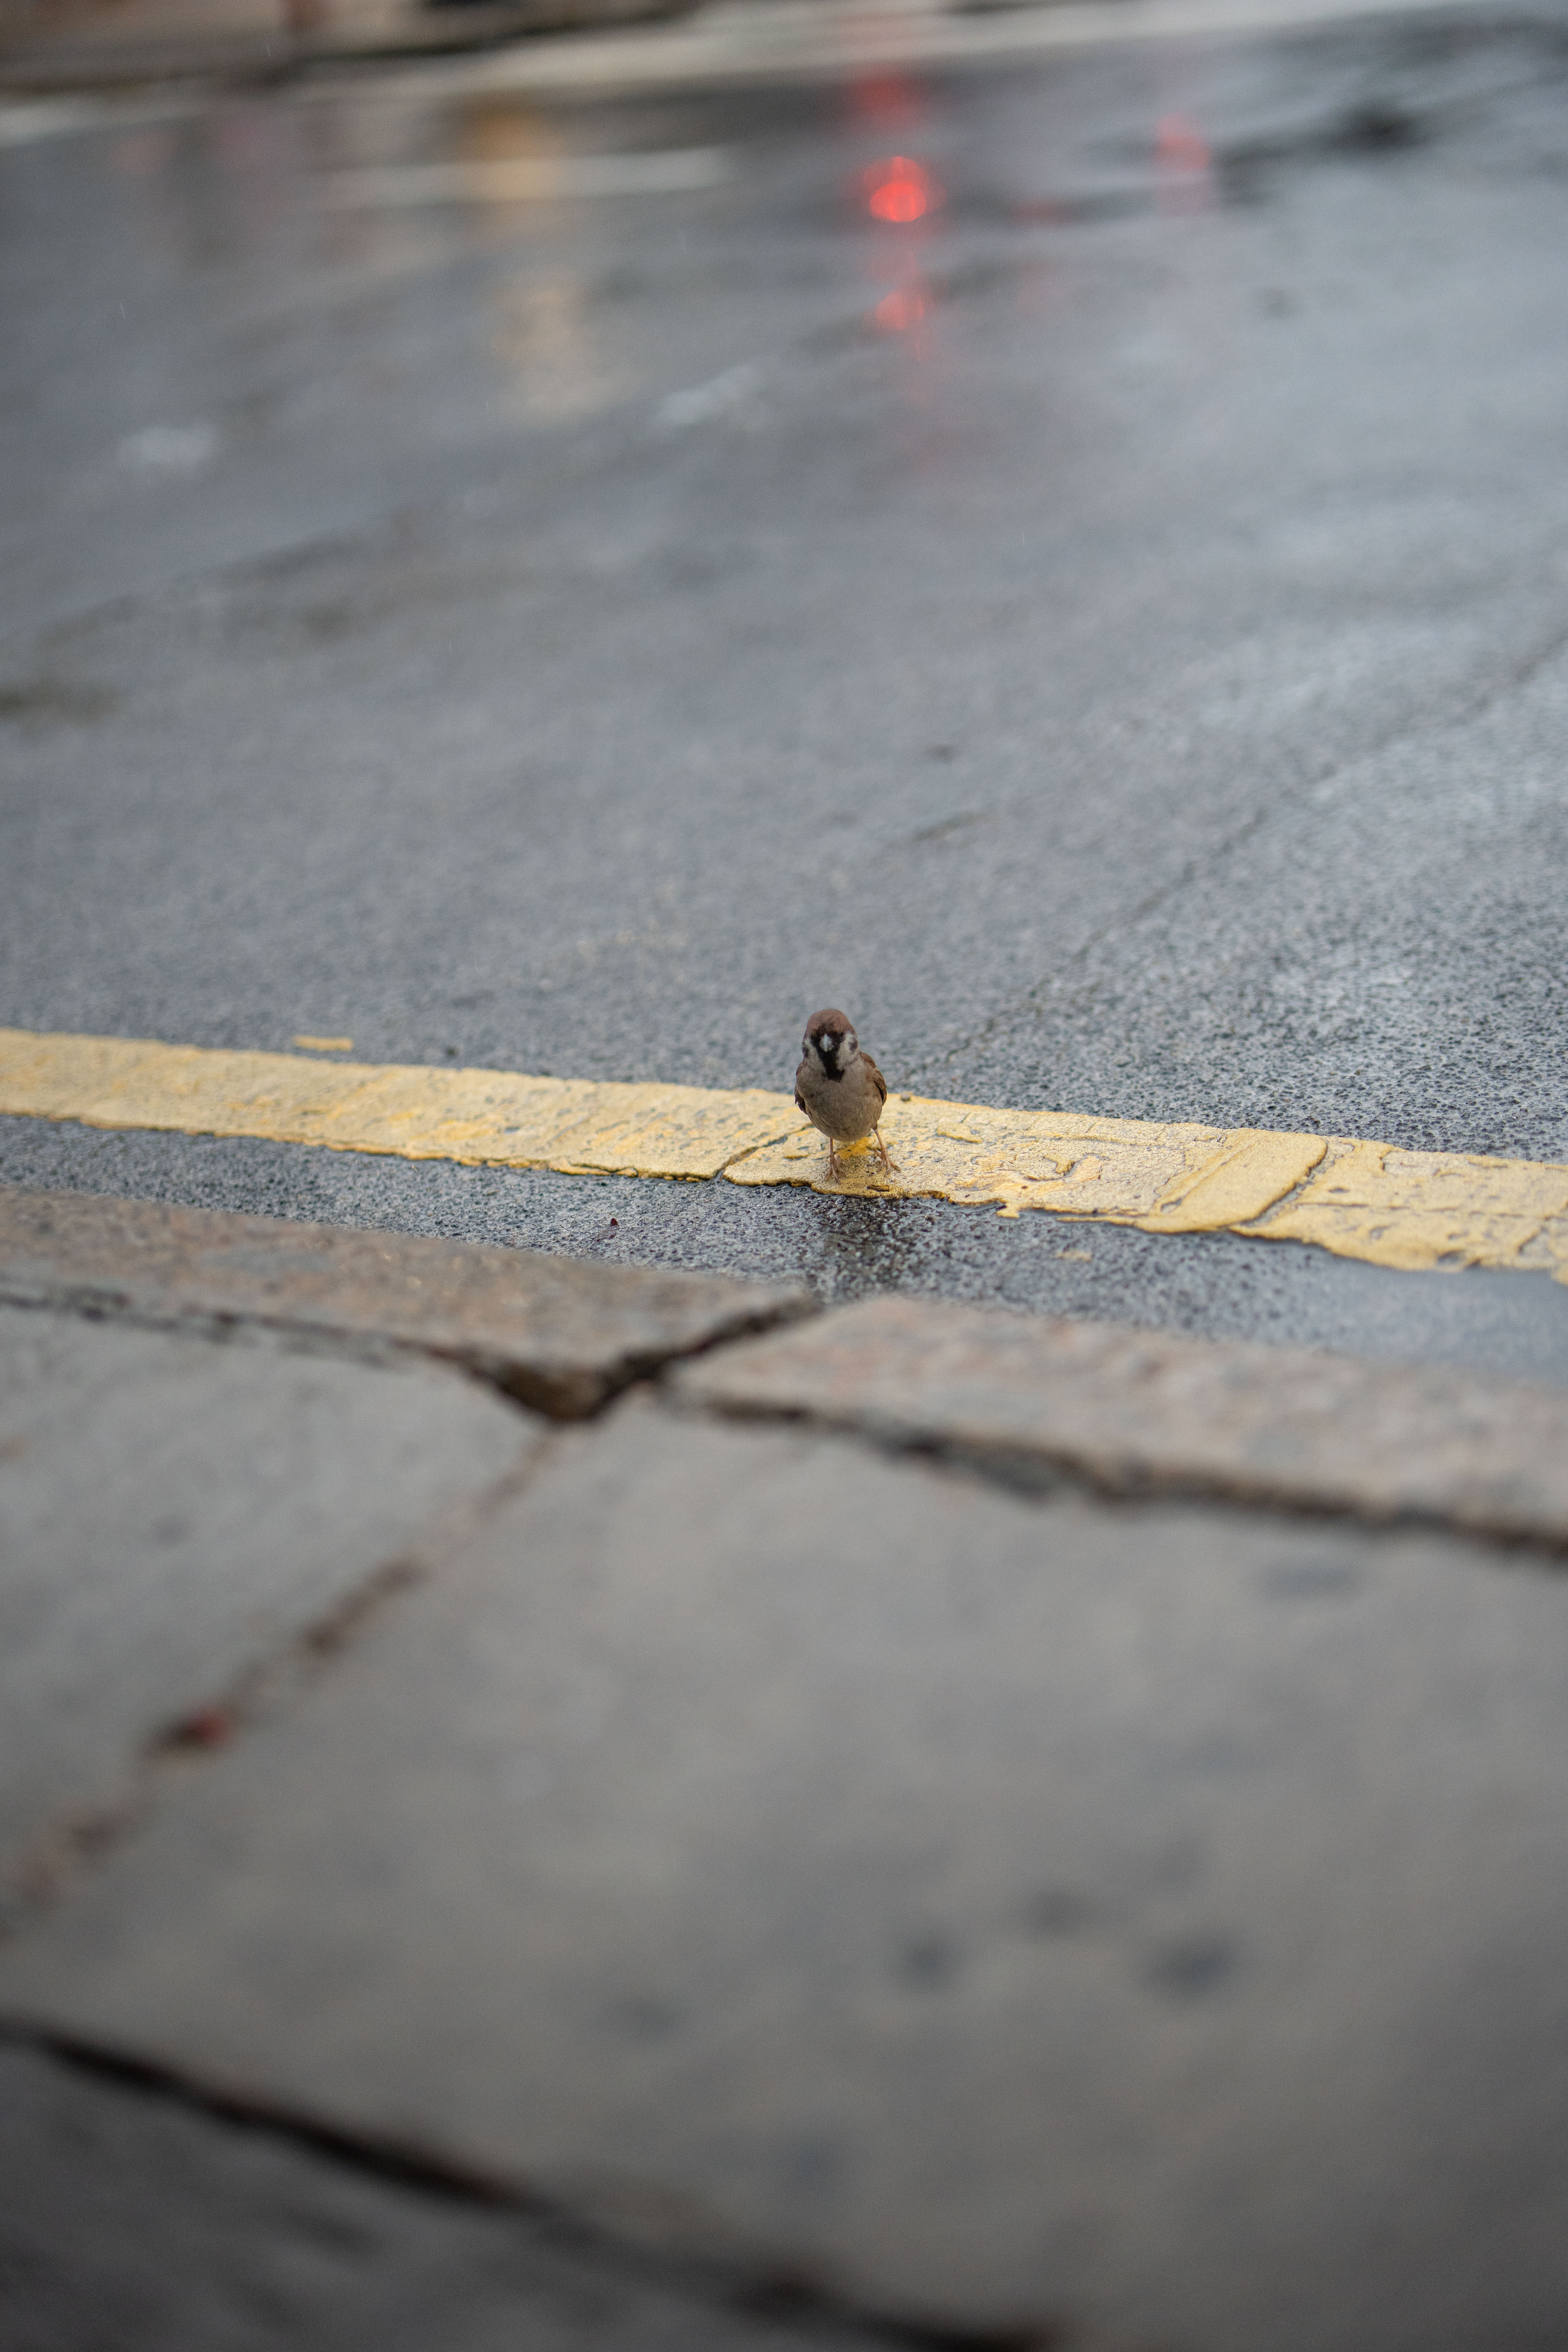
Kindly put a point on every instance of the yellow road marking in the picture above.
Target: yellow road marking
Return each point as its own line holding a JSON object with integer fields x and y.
{"x": 326, "y": 1044}
{"x": 484, "y": 1117}
{"x": 1362, "y": 1200}
{"x": 1174, "y": 1178}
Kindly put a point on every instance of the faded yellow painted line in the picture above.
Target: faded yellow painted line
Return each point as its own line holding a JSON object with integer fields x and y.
{"x": 1360, "y": 1199}
{"x": 1172, "y": 1179}
{"x": 484, "y": 1117}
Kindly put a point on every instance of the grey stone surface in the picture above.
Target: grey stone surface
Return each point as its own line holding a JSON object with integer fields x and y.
{"x": 1142, "y": 1920}
{"x": 131, "y": 2223}
{"x": 172, "y": 1509}
{"x": 559, "y": 1334}
{"x": 1138, "y": 1412}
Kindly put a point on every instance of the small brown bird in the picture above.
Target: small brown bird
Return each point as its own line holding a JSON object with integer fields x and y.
{"x": 838, "y": 1087}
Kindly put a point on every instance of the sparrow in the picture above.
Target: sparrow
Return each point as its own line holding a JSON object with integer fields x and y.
{"x": 839, "y": 1088}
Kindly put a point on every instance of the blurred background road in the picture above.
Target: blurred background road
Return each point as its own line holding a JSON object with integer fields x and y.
{"x": 1043, "y": 526}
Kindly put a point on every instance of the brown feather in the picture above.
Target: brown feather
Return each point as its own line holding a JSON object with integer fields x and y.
{"x": 877, "y": 1080}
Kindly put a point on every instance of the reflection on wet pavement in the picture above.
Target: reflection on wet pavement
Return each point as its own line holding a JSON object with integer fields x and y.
{"x": 255, "y": 281}
{"x": 264, "y": 273}
{"x": 536, "y": 179}
{"x": 545, "y": 337}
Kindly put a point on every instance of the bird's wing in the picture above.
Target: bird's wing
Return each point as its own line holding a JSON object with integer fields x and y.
{"x": 799, "y": 1103}
{"x": 877, "y": 1080}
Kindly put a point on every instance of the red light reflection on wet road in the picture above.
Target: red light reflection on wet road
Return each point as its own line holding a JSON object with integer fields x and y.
{"x": 900, "y": 194}
{"x": 899, "y": 190}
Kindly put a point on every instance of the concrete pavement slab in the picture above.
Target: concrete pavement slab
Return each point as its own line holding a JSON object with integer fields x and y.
{"x": 130, "y": 2221}
{"x": 172, "y": 1511}
{"x": 1016, "y": 1914}
{"x": 1141, "y": 1413}
{"x": 560, "y": 1335}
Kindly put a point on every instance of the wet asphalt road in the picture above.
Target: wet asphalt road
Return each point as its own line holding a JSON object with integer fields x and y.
{"x": 1110, "y": 632}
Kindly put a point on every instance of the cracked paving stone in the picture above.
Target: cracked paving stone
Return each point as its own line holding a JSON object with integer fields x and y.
{"x": 1005, "y": 1912}
{"x": 559, "y": 1335}
{"x": 172, "y": 1511}
{"x": 131, "y": 2223}
{"x": 1141, "y": 1411}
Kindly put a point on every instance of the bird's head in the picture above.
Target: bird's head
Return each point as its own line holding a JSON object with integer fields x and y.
{"x": 830, "y": 1043}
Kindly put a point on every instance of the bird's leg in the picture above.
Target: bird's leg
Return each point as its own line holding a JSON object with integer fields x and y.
{"x": 882, "y": 1148}
{"x": 833, "y": 1170}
